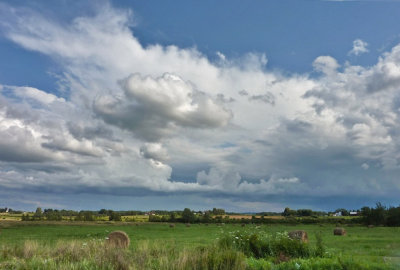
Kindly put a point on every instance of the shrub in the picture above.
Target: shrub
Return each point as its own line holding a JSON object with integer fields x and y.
{"x": 114, "y": 216}
{"x": 262, "y": 245}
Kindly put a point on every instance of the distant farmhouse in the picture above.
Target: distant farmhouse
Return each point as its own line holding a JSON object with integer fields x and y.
{"x": 340, "y": 213}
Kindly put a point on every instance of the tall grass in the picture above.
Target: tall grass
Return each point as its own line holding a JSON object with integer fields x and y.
{"x": 98, "y": 255}
{"x": 237, "y": 250}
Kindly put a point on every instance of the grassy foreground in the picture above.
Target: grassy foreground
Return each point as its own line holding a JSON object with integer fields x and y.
{"x": 157, "y": 246}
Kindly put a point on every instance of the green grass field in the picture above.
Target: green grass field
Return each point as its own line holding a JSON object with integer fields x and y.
{"x": 376, "y": 245}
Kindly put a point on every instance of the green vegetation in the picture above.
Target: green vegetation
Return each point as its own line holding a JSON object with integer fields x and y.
{"x": 260, "y": 244}
{"x": 66, "y": 239}
{"x": 81, "y": 245}
{"x": 381, "y": 215}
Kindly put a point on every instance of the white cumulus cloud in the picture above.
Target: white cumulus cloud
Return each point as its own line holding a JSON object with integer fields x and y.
{"x": 359, "y": 47}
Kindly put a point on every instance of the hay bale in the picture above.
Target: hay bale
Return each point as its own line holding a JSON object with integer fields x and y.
{"x": 339, "y": 231}
{"x": 118, "y": 239}
{"x": 172, "y": 225}
{"x": 299, "y": 235}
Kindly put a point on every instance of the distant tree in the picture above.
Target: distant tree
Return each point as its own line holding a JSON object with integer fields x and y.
{"x": 393, "y": 216}
{"x": 38, "y": 214}
{"x": 51, "y": 214}
{"x": 206, "y": 217}
{"x": 85, "y": 216}
{"x": 114, "y": 216}
{"x": 187, "y": 215}
{"x": 304, "y": 212}
{"x": 366, "y": 215}
{"x": 379, "y": 213}
{"x": 375, "y": 216}
{"x": 218, "y": 211}
{"x": 172, "y": 216}
{"x": 103, "y": 212}
{"x": 288, "y": 212}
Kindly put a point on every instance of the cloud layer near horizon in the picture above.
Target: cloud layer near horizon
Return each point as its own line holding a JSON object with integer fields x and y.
{"x": 133, "y": 117}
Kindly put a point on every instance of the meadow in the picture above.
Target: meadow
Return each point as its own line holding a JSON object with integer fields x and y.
{"x": 31, "y": 245}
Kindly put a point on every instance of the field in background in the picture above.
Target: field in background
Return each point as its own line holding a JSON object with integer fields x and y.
{"x": 250, "y": 217}
{"x": 9, "y": 217}
{"x": 361, "y": 242}
{"x": 132, "y": 218}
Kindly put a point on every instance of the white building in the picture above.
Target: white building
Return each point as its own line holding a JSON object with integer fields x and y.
{"x": 338, "y": 214}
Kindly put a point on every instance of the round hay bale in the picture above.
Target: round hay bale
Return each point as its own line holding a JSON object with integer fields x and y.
{"x": 188, "y": 225}
{"x": 339, "y": 231}
{"x": 118, "y": 239}
{"x": 299, "y": 235}
{"x": 172, "y": 225}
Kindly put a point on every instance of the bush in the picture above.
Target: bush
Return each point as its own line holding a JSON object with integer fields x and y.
{"x": 114, "y": 216}
{"x": 262, "y": 245}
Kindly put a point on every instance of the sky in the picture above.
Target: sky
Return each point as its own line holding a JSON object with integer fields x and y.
{"x": 248, "y": 106}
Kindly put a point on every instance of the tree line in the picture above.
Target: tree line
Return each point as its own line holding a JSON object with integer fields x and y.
{"x": 57, "y": 215}
{"x": 378, "y": 215}
{"x": 381, "y": 215}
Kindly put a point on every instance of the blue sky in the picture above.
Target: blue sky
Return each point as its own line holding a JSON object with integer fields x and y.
{"x": 249, "y": 106}
{"x": 291, "y": 33}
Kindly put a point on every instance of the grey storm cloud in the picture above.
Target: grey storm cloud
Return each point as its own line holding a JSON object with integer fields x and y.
{"x": 82, "y": 131}
{"x": 18, "y": 145}
{"x": 268, "y": 98}
{"x": 151, "y": 107}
